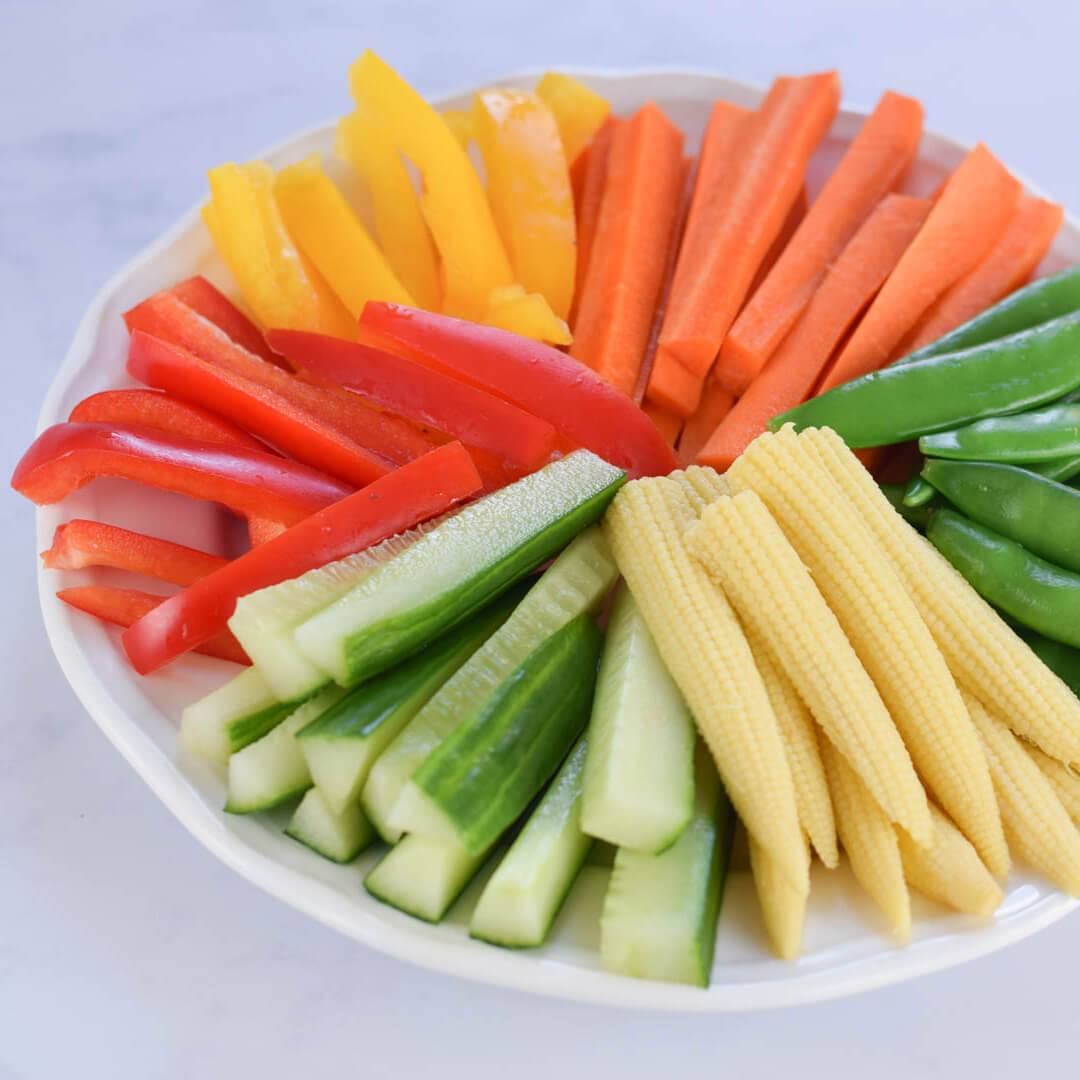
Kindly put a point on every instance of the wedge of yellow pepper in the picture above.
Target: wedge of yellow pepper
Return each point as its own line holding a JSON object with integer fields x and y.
{"x": 459, "y": 121}
{"x": 280, "y": 286}
{"x": 364, "y": 142}
{"x": 510, "y": 307}
{"x": 529, "y": 191}
{"x": 330, "y": 234}
{"x": 454, "y": 203}
{"x": 579, "y": 111}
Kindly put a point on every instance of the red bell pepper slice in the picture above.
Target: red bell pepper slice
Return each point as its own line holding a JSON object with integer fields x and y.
{"x": 212, "y": 304}
{"x": 390, "y": 505}
{"x": 81, "y": 543}
{"x": 165, "y": 317}
{"x": 124, "y": 607}
{"x": 423, "y": 395}
{"x": 290, "y": 427}
{"x": 66, "y": 457}
{"x": 544, "y": 381}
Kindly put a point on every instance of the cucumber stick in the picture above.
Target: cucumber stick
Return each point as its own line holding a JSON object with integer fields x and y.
{"x": 660, "y": 911}
{"x": 233, "y": 715}
{"x": 264, "y": 621}
{"x": 487, "y": 771}
{"x": 423, "y": 877}
{"x": 639, "y": 775}
{"x": 457, "y": 568}
{"x": 576, "y": 582}
{"x": 337, "y": 836}
{"x": 342, "y": 743}
{"x": 523, "y": 896}
{"x": 272, "y": 770}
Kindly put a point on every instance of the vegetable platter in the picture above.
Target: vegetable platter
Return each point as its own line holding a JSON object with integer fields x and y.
{"x": 509, "y": 777}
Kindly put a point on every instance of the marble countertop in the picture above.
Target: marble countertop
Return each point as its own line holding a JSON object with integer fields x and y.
{"x": 125, "y": 949}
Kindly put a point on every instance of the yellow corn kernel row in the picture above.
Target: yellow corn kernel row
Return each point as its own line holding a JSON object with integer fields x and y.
{"x": 985, "y": 656}
{"x": 744, "y": 549}
{"x": 869, "y": 840}
{"x": 783, "y": 908}
{"x": 804, "y": 755}
{"x": 882, "y": 623}
{"x": 1037, "y": 826}
{"x": 950, "y": 871}
{"x": 1063, "y": 780}
{"x": 701, "y": 484}
{"x": 702, "y": 644}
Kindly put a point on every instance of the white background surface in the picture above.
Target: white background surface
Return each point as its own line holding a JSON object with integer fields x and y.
{"x": 126, "y": 950}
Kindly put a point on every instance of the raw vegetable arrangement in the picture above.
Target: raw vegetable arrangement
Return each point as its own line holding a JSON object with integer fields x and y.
{"x": 586, "y": 485}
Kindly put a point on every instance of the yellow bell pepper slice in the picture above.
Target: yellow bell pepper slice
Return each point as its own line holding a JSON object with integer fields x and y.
{"x": 579, "y": 111}
{"x": 454, "y": 203}
{"x": 364, "y": 143}
{"x": 510, "y": 307}
{"x": 459, "y": 121}
{"x": 280, "y": 286}
{"x": 330, "y": 234}
{"x": 529, "y": 190}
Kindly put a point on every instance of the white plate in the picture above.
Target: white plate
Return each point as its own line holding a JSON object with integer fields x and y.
{"x": 847, "y": 947}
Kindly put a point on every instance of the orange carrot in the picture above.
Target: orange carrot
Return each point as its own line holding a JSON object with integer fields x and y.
{"x": 965, "y": 222}
{"x": 1005, "y": 267}
{"x": 641, "y": 202}
{"x": 716, "y": 403}
{"x": 877, "y": 159}
{"x": 849, "y": 285}
{"x": 668, "y": 424}
{"x": 587, "y": 204}
{"x": 772, "y": 156}
{"x": 791, "y": 225}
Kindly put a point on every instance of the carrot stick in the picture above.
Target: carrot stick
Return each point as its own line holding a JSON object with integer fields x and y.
{"x": 850, "y": 285}
{"x": 1005, "y": 267}
{"x": 779, "y": 245}
{"x": 965, "y": 222}
{"x": 641, "y": 202}
{"x": 716, "y": 403}
{"x": 587, "y": 205}
{"x": 668, "y": 424}
{"x": 875, "y": 161}
{"x": 711, "y": 286}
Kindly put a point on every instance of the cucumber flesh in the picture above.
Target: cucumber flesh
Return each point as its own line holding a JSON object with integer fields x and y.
{"x": 577, "y": 581}
{"x": 457, "y": 568}
{"x": 336, "y": 836}
{"x": 660, "y": 911}
{"x": 233, "y": 715}
{"x": 423, "y": 877}
{"x": 272, "y": 770}
{"x": 523, "y": 896}
{"x": 341, "y": 745}
{"x": 488, "y": 770}
{"x": 639, "y": 776}
{"x": 264, "y": 621}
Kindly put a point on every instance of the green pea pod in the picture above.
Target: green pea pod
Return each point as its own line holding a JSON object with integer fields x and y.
{"x": 913, "y": 515}
{"x": 1041, "y": 435}
{"x": 918, "y": 492}
{"x": 1063, "y": 660}
{"x": 1035, "y": 592}
{"x": 1041, "y": 514}
{"x": 1030, "y": 368}
{"x": 1042, "y": 300}
{"x": 1060, "y": 469}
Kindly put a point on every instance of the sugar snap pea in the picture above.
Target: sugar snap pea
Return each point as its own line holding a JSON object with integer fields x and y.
{"x": 1040, "y": 435}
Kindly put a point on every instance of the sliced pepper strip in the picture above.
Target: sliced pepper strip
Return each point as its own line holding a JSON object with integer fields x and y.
{"x": 579, "y": 111}
{"x": 544, "y": 381}
{"x": 123, "y": 607}
{"x": 511, "y": 308}
{"x": 466, "y": 412}
{"x": 66, "y": 457}
{"x": 290, "y": 427}
{"x": 392, "y": 504}
{"x": 81, "y": 543}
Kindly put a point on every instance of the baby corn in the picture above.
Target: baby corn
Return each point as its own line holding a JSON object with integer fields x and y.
{"x": 804, "y": 755}
{"x": 783, "y": 908}
{"x": 1063, "y": 780}
{"x": 883, "y": 625}
{"x": 702, "y": 644}
{"x": 983, "y": 653}
{"x": 742, "y": 546}
{"x": 1037, "y": 826}
{"x": 951, "y": 871}
{"x": 869, "y": 840}
{"x": 702, "y": 485}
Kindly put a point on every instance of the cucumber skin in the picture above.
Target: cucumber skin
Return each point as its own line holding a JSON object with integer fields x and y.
{"x": 250, "y": 728}
{"x": 562, "y": 668}
{"x": 295, "y": 831}
{"x": 376, "y": 648}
